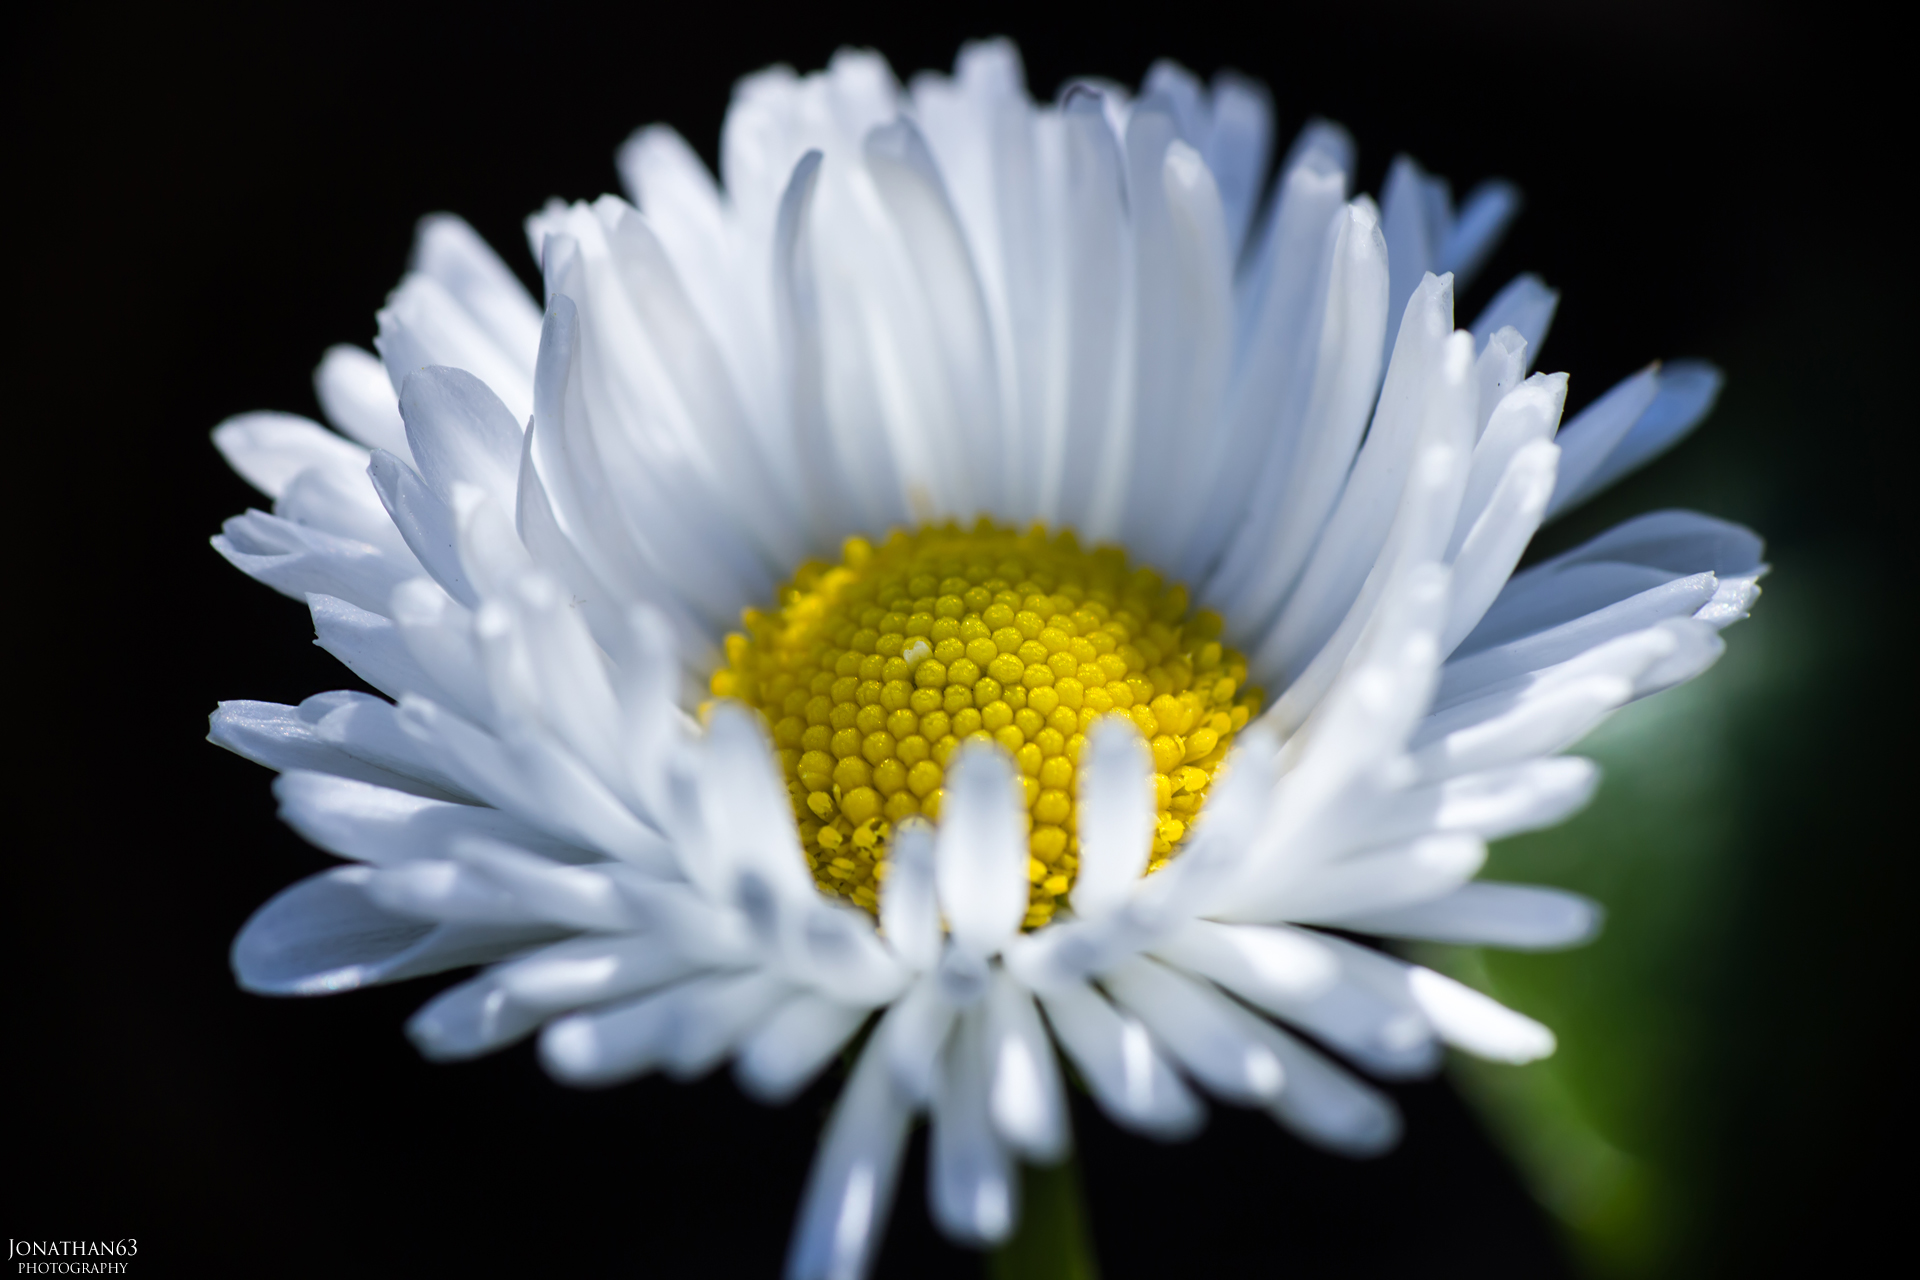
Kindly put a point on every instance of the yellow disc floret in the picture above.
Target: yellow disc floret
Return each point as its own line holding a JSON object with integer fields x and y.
{"x": 872, "y": 672}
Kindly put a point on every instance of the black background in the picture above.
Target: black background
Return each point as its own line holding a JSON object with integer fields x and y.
{"x": 203, "y": 203}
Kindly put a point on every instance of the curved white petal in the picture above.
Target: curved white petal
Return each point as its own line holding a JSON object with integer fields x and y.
{"x": 370, "y": 823}
{"x": 1127, "y": 1075}
{"x": 1026, "y": 1101}
{"x": 1482, "y": 1026}
{"x": 794, "y": 1045}
{"x": 1519, "y": 917}
{"x": 980, "y": 852}
{"x": 298, "y": 561}
{"x": 1498, "y": 538}
{"x": 909, "y": 902}
{"x": 1525, "y": 305}
{"x": 1220, "y": 1044}
{"x": 684, "y": 1030}
{"x": 327, "y": 934}
{"x": 1116, "y": 817}
{"x": 347, "y": 735}
{"x": 270, "y": 449}
{"x": 973, "y": 1184}
{"x": 1328, "y": 1107}
{"x": 850, "y": 1188}
{"x": 358, "y": 399}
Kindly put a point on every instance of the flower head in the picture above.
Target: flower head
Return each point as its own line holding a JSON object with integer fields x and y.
{"x": 987, "y": 577}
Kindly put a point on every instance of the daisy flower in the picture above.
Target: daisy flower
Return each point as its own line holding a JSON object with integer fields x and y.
{"x": 985, "y": 582}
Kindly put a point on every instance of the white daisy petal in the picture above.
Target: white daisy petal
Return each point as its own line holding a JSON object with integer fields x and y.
{"x": 459, "y": 432}
{"x": 434, "y": 889}
{"x": 1527, "y": 414}
{"x": 1383, "y": 878}
{"x": 670, "y": 185}
{"x": 913, "y": 1037}
{"x": 1349, "y": 997}
{"x": 1028, "y": 1106}
{"x": 1525, "y": 305}
{"x": 1483, "y": 218}
{"x": 345, "y": 504}
{"x": 512, "y": 999}
{"x": 1264, "y": 561}
{"x": 556, "y": 555}
{"x": 1237, "y": 150}
{"x": 1678, "y": 598}
{"x": 426, "y": 522}
{"x": 1679, "y": 542}
{"x": 1688, "y": 390}
{"x": 1490, "y": 805}
{"x": 1539, "y": 602}
{"x": 973, "y": 1185}
{"x": 610, "y": 897}
{"x": 794, "y": 1045}
{"x": 692, "y": 385}
{"x": 1218, "y": 1042}
{"x": 1498, "y": 537}
{"x": 1591, "y": 437}
{"x": 683, "y": 1030}
{"x": 1429, "y": 376}
{"x": 297, "y": 561}
{"x": 1468, "y": 1020}
{"x": 1091, "y": 305}
{"x": 575, "y": 695}
{"x": 326, "y": 934}
{"x": 598, "y": 480}
{"x": 1367, "y": 715}
{"x": 1183, "y": 281}
{"x": 1501, "y": 366}
{"x": 909, "y": 902}
{"x": 472, "y": 1019}
{"x": 358, "y": 399}
{"x": 1369, "y": 1015}
{"x": 437, "y": 632}
{"x": 567, "y": 464}
{"x": 909, "y": 183}
{"x": 850, "y": 1189}
{"x": 425, "y": 324}
{"x": 492, "y": 556}
{"x": 1507, "y": 727}
{"x": 347, "y": 735}
{"x": 1125, "y": 1072}
{"x": 828, "y": 492}
{"x": 1408, "y": 564}
{"x": 1117, "y": 827}
{"x": 1519, "y": 917}
{"x": 371, "y": 646}
{"x": 372, "y": 823}
{"x": 529, "y": 776}
{"x": 655, "y": 731}
{"x": 1275, "y": 364}
{"x": 449, "y": 251}
{"x": 980, "y": 854}
{"x": 1328, "y": 1107}
{"x": 270, "y": 449}
{"x": 1260, "y": 964}
{"x": 1408, "y": 219}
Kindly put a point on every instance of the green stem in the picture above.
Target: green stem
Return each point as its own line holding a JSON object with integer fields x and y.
{"x": 1053, "y": 1242}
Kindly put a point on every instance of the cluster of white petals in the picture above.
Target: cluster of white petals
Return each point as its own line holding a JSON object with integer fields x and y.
{"x": 931, "y": 302}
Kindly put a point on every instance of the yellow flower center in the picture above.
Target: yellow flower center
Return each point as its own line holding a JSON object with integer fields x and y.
{"x": 873, "y": 671}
